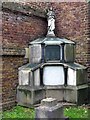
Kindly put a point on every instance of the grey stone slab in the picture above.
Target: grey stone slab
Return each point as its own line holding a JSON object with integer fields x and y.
{"x": 29, "y": 76}
{"x": 78, "y": 95}
{"x": 55, "y": 93}
{"x": 50, "y": 112}
{"x": 21, "y": 97}
{"x": 69, "y": 53}
{"x": 38, "y": 95}
{"x": 27, "y": 96}
{"x": 77, "y": 74}
{"x": 49, "y": 102}
{"x": 35, "y": 53}
{"x": 24, "y": 76}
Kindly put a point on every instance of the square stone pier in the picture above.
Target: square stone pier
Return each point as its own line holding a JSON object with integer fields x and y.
{"x": 49, "y": 109}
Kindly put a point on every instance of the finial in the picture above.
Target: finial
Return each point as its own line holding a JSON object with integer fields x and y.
{"x": 51, "y": 22}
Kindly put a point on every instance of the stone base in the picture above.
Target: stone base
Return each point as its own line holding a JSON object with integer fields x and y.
{"x": 27, "y": 96}
{"x": 71, "y": 94}
{"x": 55, "y": 92}
{"x": 78, "y": 95}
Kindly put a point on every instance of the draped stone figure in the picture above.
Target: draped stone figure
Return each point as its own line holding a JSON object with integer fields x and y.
{"x": 51, "y": 22}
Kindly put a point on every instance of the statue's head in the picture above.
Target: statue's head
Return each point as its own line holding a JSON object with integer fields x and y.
{"x": 51, "y": 9}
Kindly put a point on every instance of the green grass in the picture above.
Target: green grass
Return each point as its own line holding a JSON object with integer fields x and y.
{"x": 22, "y": 112}
{"x": 76, "y": 112}
{"x": 19, "y": 112}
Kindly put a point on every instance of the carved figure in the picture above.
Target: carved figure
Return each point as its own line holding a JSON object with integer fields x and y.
{"x": 51, "y": 21}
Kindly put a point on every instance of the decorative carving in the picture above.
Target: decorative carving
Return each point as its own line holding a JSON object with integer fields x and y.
{"x": 51, "y": 22}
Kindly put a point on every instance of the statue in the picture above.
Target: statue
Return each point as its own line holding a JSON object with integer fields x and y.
{"x": 51, "y": 22}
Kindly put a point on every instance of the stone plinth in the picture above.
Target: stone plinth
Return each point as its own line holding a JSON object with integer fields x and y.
{"x": 49, "y": 109}
{"x": 27, "y": 96}
{"x": 49, "y": 102}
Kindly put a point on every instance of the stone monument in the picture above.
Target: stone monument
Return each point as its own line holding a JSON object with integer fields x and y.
{"x": 52, "y": 71}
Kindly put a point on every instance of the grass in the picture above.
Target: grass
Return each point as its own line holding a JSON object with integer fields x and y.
{"x": 19, "y": 112}
{"x": 76, "y": 112}
{"x": 22, "y": 112}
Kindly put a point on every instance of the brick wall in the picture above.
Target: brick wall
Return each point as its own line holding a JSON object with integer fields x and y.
{"x": 10, "y": 79}
{"x": 0, "y": 57}
{"x": 22, "y": 25}
{"x": 88, "y": 42}
{"x": 18, "y": 30}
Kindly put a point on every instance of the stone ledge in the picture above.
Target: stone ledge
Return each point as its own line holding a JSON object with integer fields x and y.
{"x": 12, "y": 51}
{"x": 24, "y": 9}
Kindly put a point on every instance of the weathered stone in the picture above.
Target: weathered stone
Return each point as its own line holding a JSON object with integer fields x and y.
{"x": 27, "y": 96}
{"x": 49, "y": 102}
{"x": 77, "y": 94}
{"x": 57, "y": 93}
{"x": 49, "y": 109}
